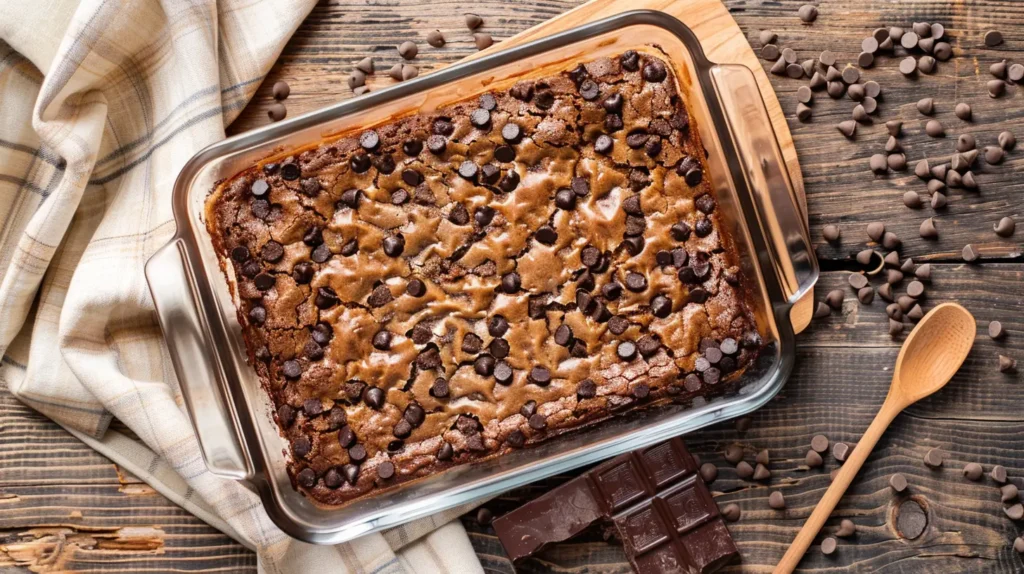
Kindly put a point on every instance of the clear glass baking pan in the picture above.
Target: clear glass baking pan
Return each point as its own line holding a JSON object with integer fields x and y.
{"x": 232, "y": 413}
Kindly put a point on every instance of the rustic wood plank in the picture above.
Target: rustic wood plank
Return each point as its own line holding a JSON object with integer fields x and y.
{"x": 46, "y": 476}
{"x": 65, "y": 508}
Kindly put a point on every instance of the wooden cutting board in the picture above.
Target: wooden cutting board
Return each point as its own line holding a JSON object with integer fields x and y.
{"x": 723, "y": 43}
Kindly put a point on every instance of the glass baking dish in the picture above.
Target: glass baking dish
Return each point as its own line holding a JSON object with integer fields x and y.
{"x": 230, "y": 410}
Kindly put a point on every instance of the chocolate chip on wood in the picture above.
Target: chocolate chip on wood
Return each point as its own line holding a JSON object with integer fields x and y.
{"x": 808, "y": 13}
{"x": 933, "y": 458}
{"x": 813, "y": 459}
{"x": 435, "y": 38}
{"x": 408, "y": 50}
{"x": 898, "y": 482}
{"x": 973, "y": 471}
{"x": 840, "y": 451}
{"x": 281, "y": 90}
{"x": 828, "y": 546}
{"x": 819, "y": 443}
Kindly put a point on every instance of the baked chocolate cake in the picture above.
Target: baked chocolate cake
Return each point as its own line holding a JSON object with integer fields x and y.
{"x": 450, "y": 286}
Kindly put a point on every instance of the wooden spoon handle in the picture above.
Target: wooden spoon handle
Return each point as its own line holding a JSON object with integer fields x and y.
{"x": 835, "y": 492}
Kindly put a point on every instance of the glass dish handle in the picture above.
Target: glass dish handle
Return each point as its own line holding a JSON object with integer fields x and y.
{"x": 771, "y": 190}
{"x": 195, "y": 361}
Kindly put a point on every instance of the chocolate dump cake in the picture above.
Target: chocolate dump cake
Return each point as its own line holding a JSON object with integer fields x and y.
{"x": 450, "y": 286}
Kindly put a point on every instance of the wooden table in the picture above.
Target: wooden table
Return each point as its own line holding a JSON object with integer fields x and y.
{"x": 63, "y": 507}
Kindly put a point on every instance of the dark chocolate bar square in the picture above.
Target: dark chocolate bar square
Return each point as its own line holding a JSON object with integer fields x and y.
{"x": 620, "y": 483}
{"x": 642, "y": 529}
{"x": 654, "y": 497}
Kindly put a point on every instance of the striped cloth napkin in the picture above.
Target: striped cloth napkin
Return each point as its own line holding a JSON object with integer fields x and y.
{"x": 101, "y": 103}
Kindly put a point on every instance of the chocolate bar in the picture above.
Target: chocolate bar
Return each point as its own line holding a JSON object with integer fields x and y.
{"x": 654, "y": 497}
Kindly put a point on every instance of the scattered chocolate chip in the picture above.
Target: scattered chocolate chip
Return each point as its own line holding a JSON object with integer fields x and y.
{"x": 898, "y": 482}
{"x": 970, "y": 253}
{"x": 1008, "y": 492}
{"x": 973, "y": 471}
{"x": 996, "y": 88}
{"x": 731, "y": 512}
{"x": 482, "y": 40}
{"x": 828, "y": 546}
{"x": 933, "y": 458}
{"x": 603, "y": 144}
{"x": 776, "y": 501}
{"x": 1015, "y": 511}
{"x": 1007, "y": 140}
{"x": 744, "y": 470}
{"x": 808, "y": 13}
{"x": 813, "y": 459}
{"x": 993, "y": 38}
{"x": 908, "y": 66}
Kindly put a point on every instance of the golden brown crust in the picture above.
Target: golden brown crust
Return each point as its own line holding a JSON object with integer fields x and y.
{"x": 568, "y": 285}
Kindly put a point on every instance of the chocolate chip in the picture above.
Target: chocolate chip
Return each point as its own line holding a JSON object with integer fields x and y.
{"x": 680, "y": 231}
{"x": 483, "y": 216}
{"x": 546, "y": 235}
{"x": 808, "y": 13}
{"x": 468, "y": 170}
{"x": 973, "y": 471}
{"x": 705, "y": 203}
{"x": 586, "y": 389}
{"x": 970, "y": 253}
{"x": 538, "y": 421}
{"x": 636, "y": 282}
{"x": 272, "y": 251}
{"x": 626, "y": 350}
{"x": 636, "y": 140}
{"x": 703, "y": 227}
{"x": 326, "y": 298}
{"x": 357, "y": 453}
{"x": 394, "y": 245}
{"x": 482, "y": 40}
{"x": 933, "y": 458}
{"x": 813, "y": 459}
{"x": 484, "y": 365}
{"x": 589, "y": 90}
{"x": 630, "y": 60}
{"x": 1008, "y": 492}
{"x": 480, "y": 118}
{"x": 510, "y": 282}
{"x": 382, "y": 340}
{"x": 993, "y": 38}
{"x": 306, "y": 478}
{"x": 503, "y": 373}
{"x": 661, "y": 306}
{"x": 603, "y": 144}
{"x": 312, "y": 351}
{"x": 613, "y": 122}
{"x": 618, "y": 325}
{"x": 380, "y": 296}
{"x": 540, "y": 376}
{"x": 1005, "y": 227}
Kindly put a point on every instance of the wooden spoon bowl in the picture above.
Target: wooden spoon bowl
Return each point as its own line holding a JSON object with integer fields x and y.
{"x": 932, "y": 353}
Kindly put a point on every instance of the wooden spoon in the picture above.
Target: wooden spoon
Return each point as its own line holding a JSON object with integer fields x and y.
{"x": 931, "y": 355}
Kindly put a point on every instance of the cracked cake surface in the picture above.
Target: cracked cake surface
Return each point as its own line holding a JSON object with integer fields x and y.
{"x": 446, "y": 287}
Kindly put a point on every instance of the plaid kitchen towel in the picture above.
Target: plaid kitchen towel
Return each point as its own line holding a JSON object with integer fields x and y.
{"x": 101, "y": 103}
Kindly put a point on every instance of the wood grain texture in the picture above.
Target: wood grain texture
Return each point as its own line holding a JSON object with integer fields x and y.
{"x": 65, "y": 508}
{"x": 844, "y": 361}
